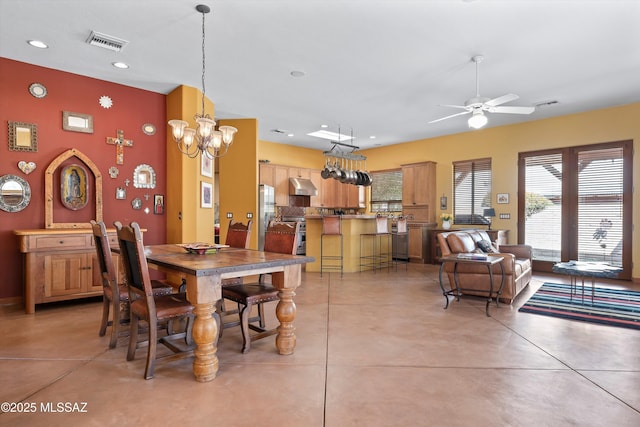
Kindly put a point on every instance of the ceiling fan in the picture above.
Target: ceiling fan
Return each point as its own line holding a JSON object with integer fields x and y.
{"x": 478, "y": 104}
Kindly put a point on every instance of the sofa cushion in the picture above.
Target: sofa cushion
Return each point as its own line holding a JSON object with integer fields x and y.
{"x": 460, "y": 242}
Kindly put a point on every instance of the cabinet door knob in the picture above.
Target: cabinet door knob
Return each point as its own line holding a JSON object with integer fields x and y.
{"x": 61, "y": 242}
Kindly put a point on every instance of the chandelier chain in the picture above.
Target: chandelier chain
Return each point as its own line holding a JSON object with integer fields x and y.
{"x": 203, "y": 65}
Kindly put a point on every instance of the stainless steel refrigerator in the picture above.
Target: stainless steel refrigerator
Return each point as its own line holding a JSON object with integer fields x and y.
{"x": 266, "y": 211}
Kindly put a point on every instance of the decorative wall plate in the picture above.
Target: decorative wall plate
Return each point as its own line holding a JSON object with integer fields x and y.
{"x": 26, "y": 167}
{"x": 105, "y": 101}
{"x": 38, "y": 90}
{"x": 148, "y": 129}
{"x": 136, "y": 203}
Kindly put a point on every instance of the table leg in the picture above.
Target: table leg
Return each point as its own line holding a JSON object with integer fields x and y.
{"x": 286, "y": 282}
{"x": 446, "y": 297}
{"x": 490, "y": 290}
{"x": 203, "y": 293}
{"x": 205, "y": 331}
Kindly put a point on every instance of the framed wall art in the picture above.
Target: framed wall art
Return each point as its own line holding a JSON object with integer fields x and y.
{"x": 158, "y": 204}
{"x": 206, "y": 195}
{"x": 502, "y": 198}
{"x": 74, "y": 187}
{"x": 206, "y": 166}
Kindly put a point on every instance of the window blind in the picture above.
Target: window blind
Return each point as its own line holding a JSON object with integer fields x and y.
{"x": 386, "y": 191}
{"x": 471, "y": 191}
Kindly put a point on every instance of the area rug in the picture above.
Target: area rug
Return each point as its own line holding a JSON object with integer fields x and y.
{"x": 611, "y": 307}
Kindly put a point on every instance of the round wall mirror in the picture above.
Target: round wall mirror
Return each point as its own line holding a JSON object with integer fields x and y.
{"x": 15, "y": 193}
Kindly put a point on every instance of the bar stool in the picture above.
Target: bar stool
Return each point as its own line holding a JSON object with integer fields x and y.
{"x": 400, "y": 243}
{"x": 378, "y": 257}
{"x": 331, "y": 229}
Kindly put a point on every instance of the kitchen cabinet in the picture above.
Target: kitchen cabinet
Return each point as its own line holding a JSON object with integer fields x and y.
{"x": 418, "y": 242}
{"x": 61, "y": 264}
{"x": 299, "y": 173}
{"x": 316, "y": 179}
{"x": 267, "y": 174}
{"x": 419, "y": 191}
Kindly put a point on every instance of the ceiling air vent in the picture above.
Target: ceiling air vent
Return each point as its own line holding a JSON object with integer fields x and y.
{"x": 106, "y": 41}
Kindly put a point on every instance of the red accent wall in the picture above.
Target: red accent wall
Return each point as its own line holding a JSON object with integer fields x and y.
{"x": 71, "y": 92}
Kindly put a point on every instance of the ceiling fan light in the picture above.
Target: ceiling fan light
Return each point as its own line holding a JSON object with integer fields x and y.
{"x": 477, "y": 120}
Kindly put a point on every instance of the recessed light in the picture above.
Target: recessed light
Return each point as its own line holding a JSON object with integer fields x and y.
{"x": 290, "y": 134}
{"x": 38, "y": 44}
{"x": 296, "y": 73}
{"x": 324, "y": 126}
{"x": 120, "y": 65}
{"x": 372, "y": 137}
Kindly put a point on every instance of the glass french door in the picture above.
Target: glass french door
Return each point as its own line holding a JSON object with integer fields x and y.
{"x": 575, "y": 204}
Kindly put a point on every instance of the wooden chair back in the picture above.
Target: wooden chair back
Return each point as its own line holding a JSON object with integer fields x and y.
{"x": 103, "y": 252}
{"x": 239, "y": 234}
{"x": 134, "y": 261}
{"x": 282, "y": 237}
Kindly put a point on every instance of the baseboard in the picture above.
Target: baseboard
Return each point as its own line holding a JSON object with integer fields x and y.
{"x": 11, "y": 301}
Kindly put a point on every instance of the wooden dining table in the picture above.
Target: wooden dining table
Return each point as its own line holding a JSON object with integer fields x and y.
{"x": 203, "y": 276}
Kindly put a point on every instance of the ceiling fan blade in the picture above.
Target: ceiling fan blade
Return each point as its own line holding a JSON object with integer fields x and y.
{"x": 512, "y": 110}
{"x": 502, "y": 100}
{"x": 456, "y": 106}
{"x": 448, "y": 117}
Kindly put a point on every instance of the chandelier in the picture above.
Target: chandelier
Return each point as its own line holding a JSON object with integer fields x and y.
{"x": 205, "y": 139}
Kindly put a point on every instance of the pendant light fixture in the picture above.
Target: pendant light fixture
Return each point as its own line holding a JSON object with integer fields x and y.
{"x": 205, "y": 139}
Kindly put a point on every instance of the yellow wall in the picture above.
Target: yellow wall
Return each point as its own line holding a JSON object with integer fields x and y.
{"x": 502, "y": 144}
{"x": 289, "y": 155}
{"x": 238, "y": 177}
{"x": 186, "y": 220}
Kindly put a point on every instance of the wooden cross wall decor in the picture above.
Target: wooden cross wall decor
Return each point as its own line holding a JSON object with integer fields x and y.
{"x": 120, "y": 143}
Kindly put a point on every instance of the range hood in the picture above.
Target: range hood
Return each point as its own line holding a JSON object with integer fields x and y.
{"x": 302, "y": 187}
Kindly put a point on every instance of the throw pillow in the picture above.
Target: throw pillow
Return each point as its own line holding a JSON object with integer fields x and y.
{"x": 486, "y": 246}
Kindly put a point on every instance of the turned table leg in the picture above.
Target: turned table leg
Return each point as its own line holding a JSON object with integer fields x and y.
{"x": 286, "y": 282}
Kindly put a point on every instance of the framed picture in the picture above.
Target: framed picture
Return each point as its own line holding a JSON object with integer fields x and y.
{"x": 206, "y": 166}
{"x": 206, "y": 195}
{"x": 74, "y": 187}
{"x": 158, "y": 204}
{"x": 77, "y": 122}
{"x": 502, "y": 198}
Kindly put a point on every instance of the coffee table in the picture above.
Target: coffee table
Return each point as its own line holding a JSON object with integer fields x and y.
{"x": 582, "y": 269}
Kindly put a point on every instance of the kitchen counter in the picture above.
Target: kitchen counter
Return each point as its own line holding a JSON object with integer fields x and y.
{"x": 352, "y": 227}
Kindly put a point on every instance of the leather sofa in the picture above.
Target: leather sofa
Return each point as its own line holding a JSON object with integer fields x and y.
{"x": 516, "y": 263}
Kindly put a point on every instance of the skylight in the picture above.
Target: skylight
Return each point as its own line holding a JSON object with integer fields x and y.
{"x": 331, "y": 136}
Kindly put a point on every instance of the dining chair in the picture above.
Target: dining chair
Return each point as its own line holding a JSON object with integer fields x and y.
{"x": 238, "y": 236}
{"x": 115, "y": 295}
{"x": 280, "y": 237}
{"x": 157, "y": 311}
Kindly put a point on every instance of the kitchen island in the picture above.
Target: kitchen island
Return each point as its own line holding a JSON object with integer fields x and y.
{"x": 352, "y": 227}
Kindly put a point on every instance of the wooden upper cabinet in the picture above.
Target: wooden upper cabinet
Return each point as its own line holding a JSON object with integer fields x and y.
{"x": 419, "y": 191}
{"x": 281, "y": 185}
{"x": 266, "y": 174}
{"x": 316, "y": 179}
{"x": 418, "y": 184}
{"x": 299, "y": 173}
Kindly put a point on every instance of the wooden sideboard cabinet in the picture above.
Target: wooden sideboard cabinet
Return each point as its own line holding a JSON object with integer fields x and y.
{"x": 500, "y": 237}
{"x": 61, "y": 264}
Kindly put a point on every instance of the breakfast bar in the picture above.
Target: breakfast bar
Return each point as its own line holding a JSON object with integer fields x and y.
{"x": 352, "y": 227}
